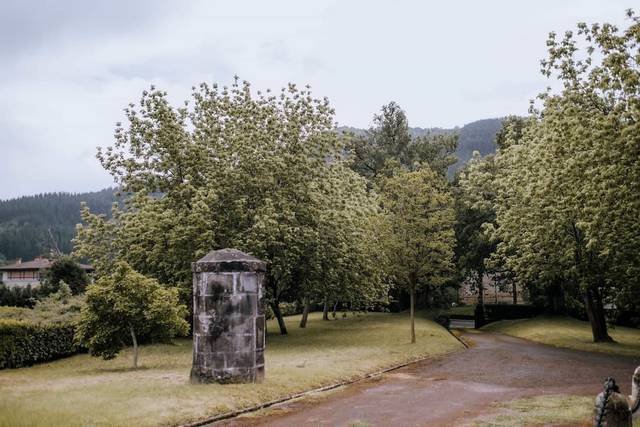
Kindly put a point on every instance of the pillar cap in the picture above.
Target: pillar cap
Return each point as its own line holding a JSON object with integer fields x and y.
{"x": 228, "y": 260}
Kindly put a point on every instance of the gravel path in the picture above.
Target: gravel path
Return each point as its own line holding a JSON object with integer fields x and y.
{"x": 455, "y": 389}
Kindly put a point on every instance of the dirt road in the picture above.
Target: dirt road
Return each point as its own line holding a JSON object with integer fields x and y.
{"x": 457, "y": 388}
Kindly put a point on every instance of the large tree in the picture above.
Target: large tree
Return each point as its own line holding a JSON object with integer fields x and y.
{"x": 419, "y": 232}
{"x": 568, "y": 195}
{"x": 345, "y": 263}
{"x": 232, "y": 169}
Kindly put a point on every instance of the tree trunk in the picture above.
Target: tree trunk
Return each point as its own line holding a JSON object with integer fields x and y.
{"x": 135, "y": 347}
{"x": 335, "y": 307}
{"x": 480, "y": 286}
{"x": 275, "y": 306}
{"x": 325, "y": 311}
{"x": 515, "y": 293}
{"x": 305, "y": 313}
{"x": 595, "y": 312}
{"x": 412, "y": 297}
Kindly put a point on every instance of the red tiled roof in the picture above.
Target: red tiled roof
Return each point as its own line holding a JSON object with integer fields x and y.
{"x": 37, "y": 264}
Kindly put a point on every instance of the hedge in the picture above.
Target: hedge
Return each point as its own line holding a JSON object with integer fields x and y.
{"x": 496, "y": 312}
{"x": 18, "y": 296}
{"x": 23, "y": 343}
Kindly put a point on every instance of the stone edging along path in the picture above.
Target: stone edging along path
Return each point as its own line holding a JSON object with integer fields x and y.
{"x": 233, "y": 414}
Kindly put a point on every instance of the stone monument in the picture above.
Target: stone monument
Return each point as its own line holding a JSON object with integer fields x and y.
{"x": 228, "y": 318}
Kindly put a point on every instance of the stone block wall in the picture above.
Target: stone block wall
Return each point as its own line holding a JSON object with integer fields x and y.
{"x": 229, "y": 321}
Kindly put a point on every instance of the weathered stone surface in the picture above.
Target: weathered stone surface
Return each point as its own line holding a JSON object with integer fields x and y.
{"x": 228, "y": 318}
{"x": 228, "y": 260}
{"x": 260, "y": 330}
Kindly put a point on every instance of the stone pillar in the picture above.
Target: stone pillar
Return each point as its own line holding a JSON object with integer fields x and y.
{"x": 228, "y": 318}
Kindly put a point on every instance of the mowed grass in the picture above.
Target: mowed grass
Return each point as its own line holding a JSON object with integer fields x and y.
{"x": 569, "y": 333}
{"x": 83, "y": 390}
{"x": 541, "y": 410}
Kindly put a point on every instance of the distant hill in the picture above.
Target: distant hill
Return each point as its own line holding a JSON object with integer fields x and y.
{"x": 475, "y": 136}
{"x": 33, "y": 225}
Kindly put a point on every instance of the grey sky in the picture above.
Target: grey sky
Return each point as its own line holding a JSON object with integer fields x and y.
{"x": 68, "y": 68}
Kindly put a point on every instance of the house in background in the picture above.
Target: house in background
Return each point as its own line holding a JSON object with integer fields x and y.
{"x": 28, "y": 273}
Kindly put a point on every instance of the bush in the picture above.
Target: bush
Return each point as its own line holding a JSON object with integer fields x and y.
{"x": 60, "y": 307}
{"x": 18, "y": 296}
{"x": 495, "y": 312}
{"x": 64, "y": 269}
{"x": 23, "y": 343}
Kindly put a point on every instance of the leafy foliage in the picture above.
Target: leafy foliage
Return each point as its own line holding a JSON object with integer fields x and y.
{"x": 25, "y": 343}
{"x": 64, "y": 269}
{"x": 567, "y": 199}
{"x": 259, "y": 173}
{"x": 419, "y": 235}
{"x": 477, "y": 136}
{"x": 128, "y": 305}
{"x": 59, "y": 307}
{"x": 18, "y": 296}
{"x": 390, "y": 140}
{"x": 475, "y": 196}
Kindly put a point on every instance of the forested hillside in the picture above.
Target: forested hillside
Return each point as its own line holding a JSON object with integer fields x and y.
{"x": 33, "y": 225}
{"x": 477, "y": 136}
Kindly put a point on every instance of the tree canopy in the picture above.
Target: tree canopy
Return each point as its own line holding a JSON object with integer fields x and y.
{"x": 419, "y": 236}
{"x": 125, "y": 306}
{"x": 64, "y": 269}
{"x": 389, "y": 143}
{"x": 568, "y": 196}
{"x": 262, "y": 173}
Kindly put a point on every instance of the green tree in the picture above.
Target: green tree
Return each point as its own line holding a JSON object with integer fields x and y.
{"x": 64, "y": 269}
{"x": 475, "y": 212}
{"x": 419, "y": 233}
{"x": 126, "y": 306}
{"x": 230, "y": 169}
{"x": 568, "y": 200}
{"x": 345, "y": 262}
{"x": 389, "y": 144}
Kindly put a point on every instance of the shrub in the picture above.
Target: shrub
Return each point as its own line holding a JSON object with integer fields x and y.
{"x": 495, "y": 312}
{"x": 18, "y": 296}
{"x": 60, "y": 307}
{"x": 23, "y": 343}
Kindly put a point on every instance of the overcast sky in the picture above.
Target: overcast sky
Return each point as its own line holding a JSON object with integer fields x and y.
{"x": 68, "y": 68}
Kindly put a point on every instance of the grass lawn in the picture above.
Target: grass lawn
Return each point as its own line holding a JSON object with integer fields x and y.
{"x": 569, "y": 333}
{"x": 541, "y": 410}
{"x": 82, "y": 390}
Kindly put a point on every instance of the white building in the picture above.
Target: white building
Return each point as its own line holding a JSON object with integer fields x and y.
{"x": 28, "y": 273}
